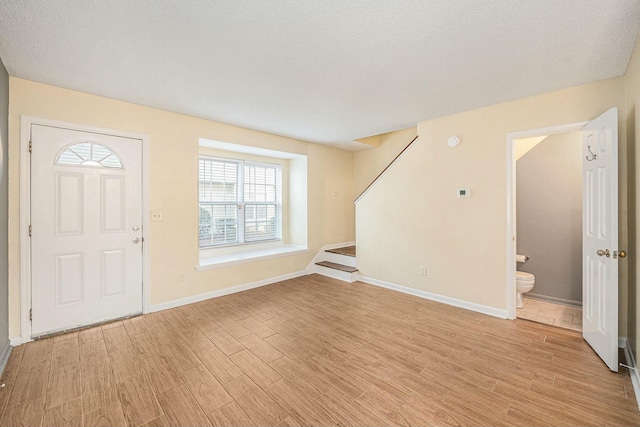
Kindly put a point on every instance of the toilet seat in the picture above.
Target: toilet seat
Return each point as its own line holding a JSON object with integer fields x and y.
{"x": 524, "y": 277}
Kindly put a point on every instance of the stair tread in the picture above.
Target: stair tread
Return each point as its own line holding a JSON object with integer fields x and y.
{"x": 337, "y": 266}
{"x": 347, "y": 250}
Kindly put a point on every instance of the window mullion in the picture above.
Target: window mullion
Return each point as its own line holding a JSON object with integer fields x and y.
{"x": 241, "y": 203}
{"x": 278, "y": 191}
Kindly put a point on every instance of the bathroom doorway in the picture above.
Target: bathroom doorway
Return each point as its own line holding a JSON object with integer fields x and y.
{"x": 601, "y": 253}
{"x": 548, "y": 189}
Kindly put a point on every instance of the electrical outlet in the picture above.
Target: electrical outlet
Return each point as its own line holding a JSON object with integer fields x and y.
{"x": 423, "y": 270}
{"x": 157, "y": 216}
{"x": 181, "y": 277}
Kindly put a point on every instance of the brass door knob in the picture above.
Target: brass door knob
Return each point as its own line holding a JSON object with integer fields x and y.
{"x": 622, "y": 254}
{"x": 604, "y": 253}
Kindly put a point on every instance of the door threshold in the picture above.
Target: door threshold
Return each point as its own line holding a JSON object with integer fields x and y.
{"x": 80, "y": 328}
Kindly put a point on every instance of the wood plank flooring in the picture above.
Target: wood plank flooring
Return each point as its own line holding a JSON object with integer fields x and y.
{"x": 347, "y": 250}
{"x": 337, "y": 266}
{"x": 314, "y": 351}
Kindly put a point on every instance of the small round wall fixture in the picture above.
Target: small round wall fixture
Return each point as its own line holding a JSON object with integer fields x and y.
{"x": 453, "y": 141}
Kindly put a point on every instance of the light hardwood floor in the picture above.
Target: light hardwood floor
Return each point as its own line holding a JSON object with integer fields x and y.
{"x": 314, "y": 351}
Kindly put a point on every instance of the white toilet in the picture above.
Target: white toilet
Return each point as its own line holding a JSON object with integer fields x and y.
{"x": 524, "y": 282}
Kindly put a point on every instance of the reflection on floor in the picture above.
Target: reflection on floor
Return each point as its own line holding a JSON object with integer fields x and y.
{"x": 564, "y": 316}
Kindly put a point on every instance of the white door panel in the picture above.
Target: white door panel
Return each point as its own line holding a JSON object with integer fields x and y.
{"x": 112, "y": 271}
{"x": 69, "y": 279}
{"x": 86, "y": 198}
{"x": 600, "y": 236}
{"x": 68, "y": 199}
{"x": 112, "y": 203}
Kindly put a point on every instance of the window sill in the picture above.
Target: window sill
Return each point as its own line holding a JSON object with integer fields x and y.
{"x": 227, "y": 260}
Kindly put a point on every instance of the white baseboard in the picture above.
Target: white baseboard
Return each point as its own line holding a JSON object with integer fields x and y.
{"x": 222, "y": 292}
{"x": 4, "y": 355}
{"x": 554, "y": 299}
{"x": 311, "y": 268}
{"x": 623, "y": 342}
{"x": 16, "y": 341}
{"x": 484, "y": 309}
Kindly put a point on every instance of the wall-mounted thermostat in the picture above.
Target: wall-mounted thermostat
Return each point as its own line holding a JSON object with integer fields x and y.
{"x": 464, "y": 192}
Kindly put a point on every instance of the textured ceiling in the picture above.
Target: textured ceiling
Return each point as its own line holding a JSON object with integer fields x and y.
{"x": 323, "y": 71}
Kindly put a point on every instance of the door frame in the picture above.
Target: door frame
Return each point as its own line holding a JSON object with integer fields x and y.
{"x": 25, "y": 211}
{"x": 511, "y": 202}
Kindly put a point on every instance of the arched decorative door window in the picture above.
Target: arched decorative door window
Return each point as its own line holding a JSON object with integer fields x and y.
{"x": 89, "y": 153}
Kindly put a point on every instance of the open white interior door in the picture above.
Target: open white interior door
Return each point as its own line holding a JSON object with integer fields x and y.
{"x": 600, "y": 236}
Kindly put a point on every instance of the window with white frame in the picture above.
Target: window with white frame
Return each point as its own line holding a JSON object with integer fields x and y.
{"x": 240, "y": 202}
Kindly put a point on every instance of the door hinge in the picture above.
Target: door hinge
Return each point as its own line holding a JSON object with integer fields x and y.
{"x": 30, "y": 146}
{"x": 31, "y": 314}
{"x": 29, "y": 230}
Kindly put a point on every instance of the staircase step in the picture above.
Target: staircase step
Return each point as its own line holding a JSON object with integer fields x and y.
{"x": 347, "y": 250}
{"x": 337, "y": 266}
{"x": 339, "y": 259}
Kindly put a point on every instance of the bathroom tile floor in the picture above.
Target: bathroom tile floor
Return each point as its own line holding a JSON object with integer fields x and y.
{"x": 564, "y": 316}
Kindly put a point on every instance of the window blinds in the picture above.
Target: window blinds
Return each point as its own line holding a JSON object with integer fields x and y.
{"x": 239, "y": 202}
{"x": 262, "y": 221}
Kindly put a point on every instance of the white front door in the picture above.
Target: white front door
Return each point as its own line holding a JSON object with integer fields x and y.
{"x": 86, "y": 219}
{"x": 600, "y": 236}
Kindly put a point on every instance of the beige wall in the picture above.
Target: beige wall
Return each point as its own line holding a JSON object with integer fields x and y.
{"x": 412, "y": 217}
{"x": 632, "y": 118}
{"x": 367, "y": 164}
{"x": 173, "y": 182}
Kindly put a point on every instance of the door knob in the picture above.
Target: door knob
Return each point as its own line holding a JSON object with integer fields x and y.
{"x": 136, "y": 239}
{"x": 619, "y": 254}
{"x": 604, "y": 253}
